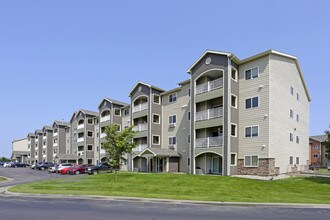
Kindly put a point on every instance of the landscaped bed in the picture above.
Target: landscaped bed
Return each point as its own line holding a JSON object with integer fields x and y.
{"x": 188, "y": 187}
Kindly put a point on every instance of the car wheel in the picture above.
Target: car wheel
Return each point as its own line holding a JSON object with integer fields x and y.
{"x": 68, "y": 171}
{"x": 95, "y": 172}
{"x": 77, "y": 172}
{"x": 42, "y": 168}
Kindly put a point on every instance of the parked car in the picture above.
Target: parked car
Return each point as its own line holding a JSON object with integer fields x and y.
{"x": 1, "y": 163}
{"x": 53, "y": 168}
{"x": 66, "y": 170}
{"x": 62, "y": 166}
{"x": 17, "y": 164}
{"x": 33, "y": 166}
{"x": 44, "y": 165}
{"x": 7, "y": 164}
{"x": 329, "y": 166}
{"x": 99, "y": 168}
{"x": 79, "y": 169}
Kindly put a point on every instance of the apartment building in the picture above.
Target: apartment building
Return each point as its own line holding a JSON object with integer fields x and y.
{"x": 317, "y": 151}
{"x": 31, "y": 159}
{"x": 20, "y": 150}
{"x": 47, "y": 144}
{"x": 82, "y": 135}
{"x": 38, "y": 145}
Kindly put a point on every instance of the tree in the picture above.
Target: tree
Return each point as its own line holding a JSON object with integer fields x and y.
{"x": 4, "y": 159}
{"x": 118, "y": 144}
{"x": 327, "y": 144}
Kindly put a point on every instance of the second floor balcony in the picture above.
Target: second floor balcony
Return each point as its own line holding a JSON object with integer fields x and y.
{"x": 209, "y": 114}
{"x": 82, "y": 139}
{"x": 139, "y": 148}
{"x": 140, "y": 127}
{"x": 103, "y": 135}
{"x": 140, "y": 107}
{"x": 105, "y": 118}
{"x": 209, "y": 142}
{"x": 209, "y": 86}
{"x": 80, "y": 126}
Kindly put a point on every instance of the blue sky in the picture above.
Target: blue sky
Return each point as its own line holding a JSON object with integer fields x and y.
{"x": 59, "y": 56}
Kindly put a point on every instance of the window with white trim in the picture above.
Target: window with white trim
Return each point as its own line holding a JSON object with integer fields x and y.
{"x": 315, "y": 147}
{"x": 172, "y": 140}
{"x": 297, "y": 160}
{"x": 234, "y": 74}
{"x": 155, "y": 139}
{"x": 252, "y": 102}
{"x": 297, "y": 118}
{"x": 291, "y": 160}
{"x": 156, "y": 119}
{"x": 298, "y": 97}
{"x": 89, "y": 134}
{"x": 291, "y": 137}
{"x": 291, "y": 113}
{"x": 172, "y": 119}
{"x": 117, "y": 112}
{"x": 89, "y": 147}
{"x": 233, "y": 130}
{"x": 291, "y": 90}
{"x": 315, "y": 155}
{"x": 156, "y": 99}
{"x": 297, "y": 139}
{"x": 126, "y": 111}
{"x": 252, "y": 131}
{"x": 251, "y": 161}
{"x": 188, "y": 138}
{"x": 90, "y": 121}
{"x": 233, "y": 101}
{"x": 233, "y": 159}
{"x": 252, "y": 73}
{"x": 172, "y": 97}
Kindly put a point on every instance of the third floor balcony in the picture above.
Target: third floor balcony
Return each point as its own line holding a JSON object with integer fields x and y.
{"x": 209, "y": 114}
{"x": 209, "y": 86}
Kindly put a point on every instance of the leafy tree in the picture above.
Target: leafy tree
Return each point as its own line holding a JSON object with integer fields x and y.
{"x": 327, "y": 144}
{"x": 118, "y": 144}
{"x": 4, "y": 159}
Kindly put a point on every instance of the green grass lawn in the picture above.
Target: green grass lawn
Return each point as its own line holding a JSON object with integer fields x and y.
{"x": 323, "y": 171}
{"x": 2, "y": 179}
{"x": 188, "y": 187}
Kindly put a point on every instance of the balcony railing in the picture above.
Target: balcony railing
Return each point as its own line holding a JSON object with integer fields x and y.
{"x": 105, "y": 118}
{"x": 140, "y": 127}
{"x": 209, "y": 86}
{"x": 140, "y": 107}
{"x": 55, "y": 134}
{"x": 103, "y": 135}
{"x": 102, "y": 151}
{"x": 44, "y": 156}
{"x": 209, "y": 142}
{"x": 44, "y": 146}
{"x": 209, "y": 114}
{"x": 80, "y": 153}
{"x": 55, "y": 144}
{"x": 44, "y": 137}
{"x": 139, "y": 148}
{"x": 81, "y": 126}
{"x": 82, "y": 139}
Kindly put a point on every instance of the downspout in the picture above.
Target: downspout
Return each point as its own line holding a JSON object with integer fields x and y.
{"x": 227, "y": 173}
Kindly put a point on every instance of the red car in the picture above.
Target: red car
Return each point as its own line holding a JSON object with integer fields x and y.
{"x": 79, "y": 169}
{"x": 66, "y": 170}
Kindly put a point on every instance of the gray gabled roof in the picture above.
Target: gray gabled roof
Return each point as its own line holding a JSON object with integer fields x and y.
{"x": 157, "y": 152}
{"x": 320, "y": 138}
{"x": 146, "y": 84}
{"x": 38, "y": 131}
{"x": 47, "y": 128}
{"x": 61, "y": 123}
{"x": 31, "y": 135}
{"x": 113, "y": 101}
{"x": 88, "y": 112}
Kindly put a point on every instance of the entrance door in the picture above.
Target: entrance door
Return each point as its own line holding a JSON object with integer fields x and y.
{"x": 161, "y": 165}
{"x": 215, "y": 165}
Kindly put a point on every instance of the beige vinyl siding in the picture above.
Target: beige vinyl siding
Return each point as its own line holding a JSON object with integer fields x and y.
{"x": 255, "y": 116}
{"x": 20, "y": 145}
{"x": 180, "y": 108}
{"x": 284, "y": 73}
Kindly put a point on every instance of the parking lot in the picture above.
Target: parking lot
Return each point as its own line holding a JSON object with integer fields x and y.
{"x": 26, "y": 175}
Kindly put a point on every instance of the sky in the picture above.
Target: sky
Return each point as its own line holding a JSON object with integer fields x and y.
{"x": 60, "y": 56}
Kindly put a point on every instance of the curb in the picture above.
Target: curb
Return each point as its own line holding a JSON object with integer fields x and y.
{"x": 167, "y": 201}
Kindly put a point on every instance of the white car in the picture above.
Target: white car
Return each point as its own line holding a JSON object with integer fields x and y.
{"x": 7, "y": 164}
{"x": 62, "y": 166}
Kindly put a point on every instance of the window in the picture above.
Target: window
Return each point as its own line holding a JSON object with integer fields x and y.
{"x": 155, "y": 119}
{"x": 172, "y": 140}
{"x": 298, "y": 97}
{"x": 233, "y": 130}
{"x": 297, "y": 139}
{"x": 118, "y": 127}
{"x": 252, "y": 131}
{"x": 315, "y": 147}
{"x": 297, "y": 118}
{"x": 291, "y": 113}
{"x": 233, "y": 74}
{"x": 291, "y": 137}
{"x": 188, "y": 116}
{"x": 252, "y": 102}
{"x": 155, "y": 139}
{"x": 291, "y": 160}
{"x": 172, "y": 120}
{"x": 126, "y": 111}
{"x": 291, "y": 90}
{"x": 233, "y": 101}
{"x": 90, "y": 121}
{"x": 89, "y": 134}
{"x": 89, "y": 147}
{"x": 172, "y": 98}
{"x": 251, "y": 73}
{"x": 188, "y": 161}
{"x": 297, "y": 160}
{"x": 189, "y": 92}
{"x": 315, "y": 155}
{"x": 156, "y": 99}
{"x": 251, "y": 161}
{"x": 188, "y": 138}
{"x": 117, "y": 111}
{"x": 233, "y": 159}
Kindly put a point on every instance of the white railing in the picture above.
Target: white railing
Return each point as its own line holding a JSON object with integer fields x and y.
{"x": 80, "y": 153}
{"x": 44, "y": 146}
{"x": 36, "y": 148}
{"x": 209, "y": 142}
{"x": 209, "y": 86}
{"x": 81, "y": 126}
{"x": 105, "y": 118}
{"x": 44, "y": 137}
{"x": 103, "y": 135}
{"x": 102, "y": 151}
{"x": 140, "y": 107}
{"x": 44, "y": 156}
{"x": 55, "y": 144}
{"x": 80, "y": 139}
{"x": 140, "y": 127}
{"x": 209, "y": 114}
{"x": 55, "y": 134}
{"x": 140, "y": 148}
{"x": 29, "y": 142}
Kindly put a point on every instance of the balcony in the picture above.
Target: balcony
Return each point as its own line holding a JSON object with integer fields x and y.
{"x": 209, "y": 114}
{"x": 103, "y": 135}
{"x": 140, "y": 107}
{"x": 140, "y": 127}
{"x": 209, "y": 142}
{"x": 55, "y": 134}
{"x": 105, "y": 118}
{"x": 209, "y": 86}
{"x": 44, "y": 137}
{"x": 81, "y": 126}
{"x": 44, "y": 146}
{"x": 82, "y": 139}
{"x": 55, "y": 144}
{"x": 44, "y": 156}
{"x": 139, "y": 148}
{"x": 80, "y": 153}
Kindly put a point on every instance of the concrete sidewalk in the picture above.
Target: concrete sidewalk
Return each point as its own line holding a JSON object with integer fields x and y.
{"x": 5, "y": 193}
